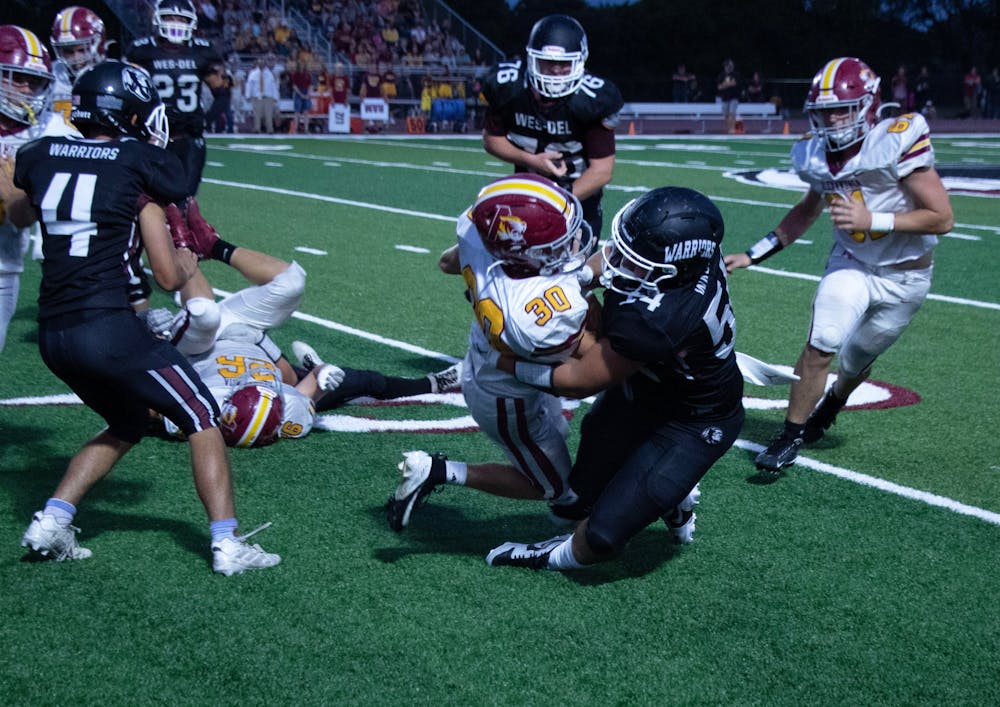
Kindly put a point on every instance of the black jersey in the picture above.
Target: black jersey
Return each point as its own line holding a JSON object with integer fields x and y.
{"x": 537, "y": 125}
{"x": 86, "y": 194}
{"x": 686, "y": 337}
{"x": 178, "y": 71}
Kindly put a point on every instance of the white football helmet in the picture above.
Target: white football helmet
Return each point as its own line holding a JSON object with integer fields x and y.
{"x": 175, "y": 20}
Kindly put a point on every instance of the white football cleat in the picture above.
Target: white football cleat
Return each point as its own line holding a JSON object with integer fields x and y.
{"x": 681, "y": 519}
{"x": 447, "y": 381}
{"x": 306, "y": 355}
{"x": 532, "y": 556}
{"x": 414, "y": 488}
{"x": 234, "y": 555}
{"x": 47, "y": 537}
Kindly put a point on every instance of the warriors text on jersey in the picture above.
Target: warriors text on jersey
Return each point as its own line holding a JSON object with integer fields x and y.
{"x": 87, "y": 192}
{"x": 178, "y": 71}
{"x": 686, "y": 337}
{"x": 536, "y": 318}
{"x": 893, "y": 149}
{"x": 13, "y": 240}
{"x": 560, "y": 125}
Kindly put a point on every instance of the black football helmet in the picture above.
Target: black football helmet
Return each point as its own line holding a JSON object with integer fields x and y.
{"x": 557, "y": 38}
{"x": 663, "y": 240}
{"x": 121, "y": 97}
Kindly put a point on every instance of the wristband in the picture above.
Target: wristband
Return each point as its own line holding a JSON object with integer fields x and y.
{"x": 537, "y": 375}
{"x": 882, "y": 221}
{"x": 764, "y": 248}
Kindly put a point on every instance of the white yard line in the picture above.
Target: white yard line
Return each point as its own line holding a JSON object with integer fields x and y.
{"x": 451, "y": 219}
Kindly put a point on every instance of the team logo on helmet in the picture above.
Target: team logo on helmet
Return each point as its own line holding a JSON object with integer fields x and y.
{"x": 136, "y": 83}
{"x": 508, "y": 228}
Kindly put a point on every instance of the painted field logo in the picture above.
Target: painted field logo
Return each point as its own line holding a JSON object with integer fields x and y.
{"x": 969, "y": 180}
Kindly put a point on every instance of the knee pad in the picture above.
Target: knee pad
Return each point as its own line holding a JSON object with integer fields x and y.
{"x": 289, "y": 284}
{"x": 600, "y": 541}
{"x": 827, "y": 339}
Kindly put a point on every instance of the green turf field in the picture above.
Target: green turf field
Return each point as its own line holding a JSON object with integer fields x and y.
{"x": 866, "y": 574}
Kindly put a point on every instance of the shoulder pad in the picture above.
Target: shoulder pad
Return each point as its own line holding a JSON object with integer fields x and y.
{"x": 503, "y": 82}
{"x": 596, "y": 99}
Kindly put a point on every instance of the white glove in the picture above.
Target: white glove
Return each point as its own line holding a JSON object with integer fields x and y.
{"x": 158, "y": 321}
{"x": 329, "y": 377}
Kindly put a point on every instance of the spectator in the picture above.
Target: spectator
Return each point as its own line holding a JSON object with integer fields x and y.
{"x": 728, "y": 88}
{"x": 340, "y": 85}
{"x": 371, "y": 85}
{"x": 262, "y": 92}
{"x": 755, "y": 89}
{"x": 900, "y": 90}
{"x": 992, "y": 88}
{"x": 219, "y": 117}
{"x": 301, "y": 81}
{"x": 388, "y": 76}
{"x": 972, "y": 85}
{"x": 681, "y": 84}
{"x": 922, "y": 91}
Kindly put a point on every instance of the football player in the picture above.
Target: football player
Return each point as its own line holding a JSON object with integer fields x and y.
{"x": 261, "y": 397}
{"x": 25, "y": 92}
{"x": 179, "y": 63}
{"x": 887, "y": 205}
{"x": 548, "y": 116}
{"x": 672, "y": 390}
{"x": 78, "y": 40}
{"x": 521, "y": 249}
{"x": 98, "y": 197}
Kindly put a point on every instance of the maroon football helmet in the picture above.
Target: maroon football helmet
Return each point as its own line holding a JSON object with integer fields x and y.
{"x": 77, "y": 38}
{"x": 252, "y": 417}
{"x": 25, "y": 75}
{"x": 531, "y": 225}
{"x": 843, "y": 85}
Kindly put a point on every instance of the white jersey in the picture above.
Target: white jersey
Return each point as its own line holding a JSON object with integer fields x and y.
{"x": 535, "y": 318}
{"x": 62, "y": 89}
{"x": 13, "y": 240}
{"x": 232, "y": 364}
{"x": 893, "y": 149}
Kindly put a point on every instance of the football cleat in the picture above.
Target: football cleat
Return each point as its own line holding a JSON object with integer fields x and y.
{"x": 447, "y": 381}
{"x": 681, "y": 519}
{"x": 49, "y": 538}
{"x": 203, "y": 234}
{"x": 306, "y": 355}
{"x": 822, "y": 417}
{"x": 234, "y": 555}
{"x": 780, "y": 453}
{"x": 532, "y": 556}
{"x": 416, "y": 485}
{"x": 329, "y": 377}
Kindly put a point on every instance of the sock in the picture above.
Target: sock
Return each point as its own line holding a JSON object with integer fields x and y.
{"x": 222, "y": 250}
{"x": 222, "y": 529}
{"x": 793, "y": 429}
{"x": 438, "y": 464}
{"x": 562, "y": 558}
{"x": 62, "y": 511}
{"x": 456, "y": 472}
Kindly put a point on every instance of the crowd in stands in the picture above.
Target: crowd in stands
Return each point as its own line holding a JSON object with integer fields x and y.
{"x": 386, "y": 48}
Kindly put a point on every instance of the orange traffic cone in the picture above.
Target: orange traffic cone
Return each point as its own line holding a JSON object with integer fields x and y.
{"x": 785, "y": 131}
{"x": 631, "y": 127}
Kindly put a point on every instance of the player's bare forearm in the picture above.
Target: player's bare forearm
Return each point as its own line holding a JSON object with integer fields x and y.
{"x": 597, "y": 175}
{"x": 933, "y": 213}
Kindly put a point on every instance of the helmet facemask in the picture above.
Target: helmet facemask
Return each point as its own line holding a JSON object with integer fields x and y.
{"x": 555, "y": 85}
{"x": 78, "y": 54}
{"x": 844, "y": 133}
{"x": 175, "y": 24}
{"x": 157, "y": 126}
{"x": 24, "y": 93}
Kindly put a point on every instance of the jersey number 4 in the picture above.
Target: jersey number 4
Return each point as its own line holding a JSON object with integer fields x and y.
{"x": 77, "y": 223}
